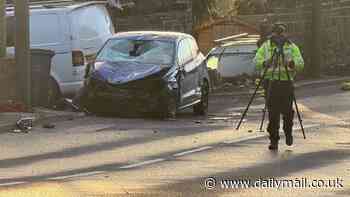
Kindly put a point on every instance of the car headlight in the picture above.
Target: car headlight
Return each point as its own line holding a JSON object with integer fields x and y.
{"x": 172, "y": 82}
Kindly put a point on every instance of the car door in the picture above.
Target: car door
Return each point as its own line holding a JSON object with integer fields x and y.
{"x": 187, "y": 72}
{"x": 195, "y": 69}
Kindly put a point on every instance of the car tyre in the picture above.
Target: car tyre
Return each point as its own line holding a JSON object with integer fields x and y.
{"x": 170, "y": 109}
{"x": 168, "y": 105}
{"x": 202, "y": 107}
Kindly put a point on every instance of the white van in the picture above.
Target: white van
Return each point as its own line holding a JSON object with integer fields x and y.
{"x": 75, "y": 31}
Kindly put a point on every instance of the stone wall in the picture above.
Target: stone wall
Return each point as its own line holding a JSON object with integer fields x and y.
{"x": 177, "y": 16}
{"x": 335, "y": 30}
{"x": 163, "y": 21}
{"x": 7, "y": 80}
{"x": 336, "y": 40}
{"x": 297, "y": 14}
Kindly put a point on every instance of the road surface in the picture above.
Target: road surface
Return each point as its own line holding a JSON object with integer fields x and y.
{"x": 190, "y": 156}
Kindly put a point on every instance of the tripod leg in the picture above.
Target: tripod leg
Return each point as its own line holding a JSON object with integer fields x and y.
{"x": 251, "y": 99}
{"x": 263, "y": 119}
{"x": 255, "y": 92}
{"x": 299, "y": 116}
{"x": 264, "y": 110}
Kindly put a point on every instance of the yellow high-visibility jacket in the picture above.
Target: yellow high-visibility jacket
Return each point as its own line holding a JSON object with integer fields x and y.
{"x": 291, "y": 53}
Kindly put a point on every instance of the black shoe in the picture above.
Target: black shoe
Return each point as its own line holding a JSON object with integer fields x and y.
{"x": 273, "y": 146}
{"x": 289, "y": 140}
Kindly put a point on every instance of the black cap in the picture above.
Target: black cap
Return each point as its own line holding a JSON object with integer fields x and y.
{"x": 279, "y": 28}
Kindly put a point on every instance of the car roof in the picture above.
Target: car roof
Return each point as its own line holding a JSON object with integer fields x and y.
{"x": 65, "y": 5}
{"x": 152, "y": 35}
{"x": 85, "y": 4}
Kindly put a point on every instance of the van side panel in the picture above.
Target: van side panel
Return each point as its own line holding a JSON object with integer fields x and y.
{"x": 91, "y": 28}
{"x": 65, "y": 29}
{"x": 50, "y": 30}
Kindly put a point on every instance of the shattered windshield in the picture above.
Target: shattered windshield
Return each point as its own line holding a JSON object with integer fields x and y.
{"x": 141, "y": 51}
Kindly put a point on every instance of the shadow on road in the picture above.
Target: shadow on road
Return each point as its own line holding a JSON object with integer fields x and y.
{"x": 275, "y": 169}
{"x": 89, "y": 149}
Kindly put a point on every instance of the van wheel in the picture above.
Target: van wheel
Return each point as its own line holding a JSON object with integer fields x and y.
{"x": 55, "y": 100}
{"x": 202, "y": 107}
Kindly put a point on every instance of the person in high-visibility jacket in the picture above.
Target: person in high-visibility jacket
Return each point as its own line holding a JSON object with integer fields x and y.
{"x": 279, "y": 89}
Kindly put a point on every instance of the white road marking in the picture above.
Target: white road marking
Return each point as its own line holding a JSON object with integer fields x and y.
{"x": 76, "y": 175}
{"x": 192, "y": 151}
{"x": 12, "y": 183}
{"x": 149, "y": 162}
{"x": 252, "y": 137}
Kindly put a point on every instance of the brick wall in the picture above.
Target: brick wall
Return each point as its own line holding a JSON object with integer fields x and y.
{"x": 7, "y": 80}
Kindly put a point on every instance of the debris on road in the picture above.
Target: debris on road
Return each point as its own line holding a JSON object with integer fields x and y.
{"x": 346, "y": 86}
{"x": 49, "y": 126}
{"x": 16, "y": 131}
{"x": 70, "y": 118}
{"x": 198, "y": 122}
{"x": 75, "y": 107}
{"x": 24, "y": 125}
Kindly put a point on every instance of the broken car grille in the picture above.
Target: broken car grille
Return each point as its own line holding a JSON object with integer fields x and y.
{"x": 140, "y": 90}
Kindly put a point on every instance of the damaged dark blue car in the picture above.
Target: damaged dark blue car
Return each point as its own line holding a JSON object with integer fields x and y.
{"x": 147, "y": 72}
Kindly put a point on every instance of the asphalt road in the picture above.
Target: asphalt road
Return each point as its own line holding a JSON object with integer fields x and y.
{"x": 191, "y": 156}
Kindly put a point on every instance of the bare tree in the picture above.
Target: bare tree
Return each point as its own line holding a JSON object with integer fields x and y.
{"x": 203, "y": 10}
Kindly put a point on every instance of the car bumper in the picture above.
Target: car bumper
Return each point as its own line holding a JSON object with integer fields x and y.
{"x": 129, "y": 99}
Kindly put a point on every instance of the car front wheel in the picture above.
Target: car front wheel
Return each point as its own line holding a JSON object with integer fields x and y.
{"x": 168, "y": 105}
{"x": 202, "y": 107}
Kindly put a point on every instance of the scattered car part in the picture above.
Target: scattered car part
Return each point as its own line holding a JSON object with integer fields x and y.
{"x": 49, "y": 126}
{"x": 76, "y": 106}
{"x": 24, "y": 124}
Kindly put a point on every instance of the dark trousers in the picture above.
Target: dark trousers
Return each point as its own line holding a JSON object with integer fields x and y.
{"x": 279, "y": 102}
